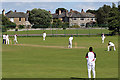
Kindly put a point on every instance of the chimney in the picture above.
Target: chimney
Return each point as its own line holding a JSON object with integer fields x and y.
{"x": 27, "y": 12}
{"x": 3, "y": 12}
{"x": 70, "y": 10}
{"x": 50, "y": 12}
{"x": 59, "y": 11}
{"x": 15, "y": 10}
{"x": 82, "y": 11}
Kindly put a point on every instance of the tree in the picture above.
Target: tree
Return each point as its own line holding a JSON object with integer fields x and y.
{"x": 114, "y": 19}
{"x": 57, "y": 23}
{"x": 102, "y": 15}
{"x": 40, "y": 18}
{"x": 91, "y": 11}
{"x": 119, "y": 8}
{"x": 62, "y": 10}
{"x": 4, "y": 21}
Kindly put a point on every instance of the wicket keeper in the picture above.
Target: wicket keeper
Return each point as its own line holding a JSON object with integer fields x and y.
{"x": 110, "y": 45}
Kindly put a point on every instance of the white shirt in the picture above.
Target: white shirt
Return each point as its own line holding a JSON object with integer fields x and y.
{"x": 4, "y": 36}
{"x": 103, "y": 37}
{"x": 44, "y": 34}
{"x": 15, "y": 36}
{"x": 91, "y": 57}
{"x": 70, "y": 39}
{"x": 7, "y": 37}
{"x": 111, "y": 44}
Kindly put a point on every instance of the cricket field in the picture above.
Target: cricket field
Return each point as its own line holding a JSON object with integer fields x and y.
{"x": 34, "y": 58}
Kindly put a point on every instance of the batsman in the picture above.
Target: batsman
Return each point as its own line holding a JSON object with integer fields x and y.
{"x": 70, "y": 42}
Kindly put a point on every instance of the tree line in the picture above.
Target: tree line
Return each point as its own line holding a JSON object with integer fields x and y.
{"x": 106, "y": 16}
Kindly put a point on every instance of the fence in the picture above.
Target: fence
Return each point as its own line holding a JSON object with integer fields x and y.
{"x": 58, "y": 31}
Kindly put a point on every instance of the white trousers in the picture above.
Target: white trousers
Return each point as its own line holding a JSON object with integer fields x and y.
{"x": 111, "y": 47}
{"x": 91, "y": 66}
{"x": 7, "y": 41}
{"x": 102, "y": 40}
{"x": 43, "y": 37}
{"x": 15, "y": 40}
{"x": 70, "y": 45}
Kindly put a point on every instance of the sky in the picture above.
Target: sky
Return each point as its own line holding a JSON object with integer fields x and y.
{"x": 59, "y": 0}
{"x": 52, "y": 5}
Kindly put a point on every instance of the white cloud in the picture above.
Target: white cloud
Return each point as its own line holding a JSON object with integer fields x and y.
{"x": 59, "y": 0}
{"x": 51, "y": 6}
{"x": 86, "y": 6}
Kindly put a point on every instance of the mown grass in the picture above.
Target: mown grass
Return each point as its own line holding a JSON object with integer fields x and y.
{"x": 77, "y": 31}
{"x": 47, "y": 62}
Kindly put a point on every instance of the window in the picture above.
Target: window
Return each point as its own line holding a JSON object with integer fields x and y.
{"x": 75, "y": 23}
{"x": 92, "y": 19}
{"x": 12, "y": 19}
{"x": 19, "y": 19}
{"x": 82, "y": 24}
{"x": 81, "y": 18}
{"x": 26, "y": 19}
{"x": 74, "y": 19}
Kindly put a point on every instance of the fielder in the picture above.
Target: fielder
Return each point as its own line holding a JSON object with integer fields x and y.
{"x": 91, "y": 58}
{"x": 70, "y": 42}
{"x": 110, "y": 45}
{"x": 15, "y": 38}
{"x": 44, "y": 35}
{"x": 4, "y": 39}
{"x": 7, "y": 39}
{"x": 103, "y": 38}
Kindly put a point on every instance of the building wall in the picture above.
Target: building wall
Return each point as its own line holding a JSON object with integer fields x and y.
{"x": 16, "y": 20}
{"x": 80, "y": 21}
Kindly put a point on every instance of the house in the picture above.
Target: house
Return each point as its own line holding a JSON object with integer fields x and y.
{"x": 19, "y": 18}
{"x": 75, "y": 18}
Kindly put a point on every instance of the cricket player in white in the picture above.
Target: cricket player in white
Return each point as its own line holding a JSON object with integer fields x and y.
{"x": 91, "y": 58}
{"x": 7, "y": 39}
{"x": 70, "y": 42}
{"x": 103, "y": 38}
{"x": 15, "y": 38}
{"x": 4, "y": 39}
{"x": 44, "y": 35}
{"x": 110, "y": 45}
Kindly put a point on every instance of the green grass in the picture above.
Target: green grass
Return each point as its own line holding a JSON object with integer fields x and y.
{"x": 47, "y": 62}
{"x": 77, "y": 31}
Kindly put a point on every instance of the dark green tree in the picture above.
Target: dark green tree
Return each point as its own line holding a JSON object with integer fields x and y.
{"x": 40, "y": 18}
{"x": 119, "y": 8}
{"x": 62, "y": 10}
{"x": 102, "y": 14}
{"x": 91, "y": 11}
{"x": 57, "y": 23}
{"x": 114, "y": 19}
{"x": 4, "y": 21}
